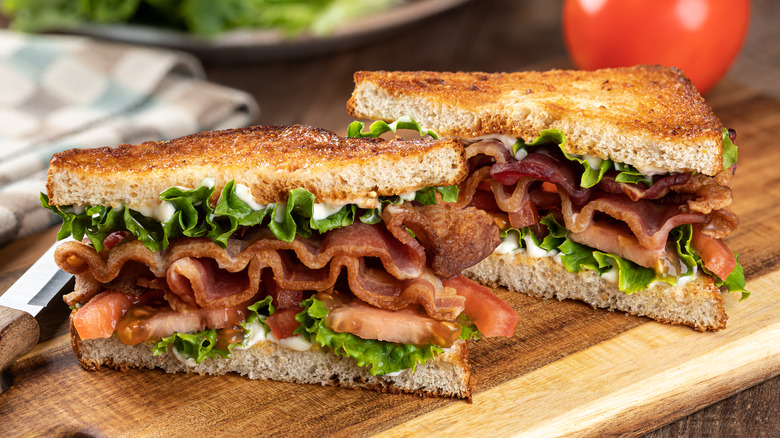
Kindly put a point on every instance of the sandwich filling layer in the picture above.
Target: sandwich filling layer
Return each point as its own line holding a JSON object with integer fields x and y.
{"x": 384, "y": 289}
{"x": 635, "y": 226}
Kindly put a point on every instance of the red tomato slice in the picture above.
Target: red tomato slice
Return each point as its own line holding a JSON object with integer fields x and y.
{"x": 98, "y": 318}
{"x": 715, "y": 254}
{"x": 492, "y": 316}
{"x": 282, "y": 298}
{"x": 406, "y": 326}
{"x": 283, "y": 323}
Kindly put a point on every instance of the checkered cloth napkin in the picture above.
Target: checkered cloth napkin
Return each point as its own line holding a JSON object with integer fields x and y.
{"x": 61, "y": 92}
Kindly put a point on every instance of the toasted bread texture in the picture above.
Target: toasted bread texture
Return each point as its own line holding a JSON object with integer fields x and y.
{"x": 651, "y": 117}
{"x": 270, "y": 160}
{"x": 447, "y": 375}
{"x": 698, "y": 303}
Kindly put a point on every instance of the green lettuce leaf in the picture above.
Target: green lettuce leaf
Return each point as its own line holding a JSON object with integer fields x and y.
{"x": 576, "y": 257}
{"x": 199, "y": 346}
{"x": 628, "y": 174}
{"x": 469, "y": 329}
{"x": 201, "y": 17}
{"x": 631, "y": 277}
{"x": 95, "y": 222}
{"x": 736, "y": 280}
{"x": 202, "y": 345}
{"x": 379, "y": 127}
{"x": 427, "y": 196}
{"x": 380, "y": 357}
{"x": 729, "y": 151}
{"x": 194, "y": 217}
{"x": 230, "y": 213}
{"x": 258, "y": 312}
{"x": 590, "y": 176}
{"x": 372, "y": 216}
{"x": 555, "y": 237}
{"x": 546, "y": 136}
{"x": 682, "y": 236}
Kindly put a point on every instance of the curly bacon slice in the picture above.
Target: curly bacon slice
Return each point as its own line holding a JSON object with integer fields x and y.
{"x": 454, "y": 237}
{"x": 197, "y": 270}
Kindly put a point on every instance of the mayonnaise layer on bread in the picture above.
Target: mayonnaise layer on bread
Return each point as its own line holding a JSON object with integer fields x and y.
{"x": 257, "y": 333}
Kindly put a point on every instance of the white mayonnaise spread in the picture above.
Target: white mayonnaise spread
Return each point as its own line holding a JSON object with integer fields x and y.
{"x": 77, "y": 209}
{"x": 257, "y": 334}
{"x": 189, "y": 362}
{"x": 163, "y": 212}
{"x": 611, "y": 275}
{"x": 681, "y": 280}
{"x": 243, "y": 193}
{"x": 208, "y": 182}
{"x": 593, "y": 161}
{"x": 521, "y": 154}
{"x": 325, "y": 210}
{"x": 408, "y": 196}
{"x": 535, "y": 250}
{"x": 296, "y": 342}
{"x": 507, "y": 140}
{"x": 650, "y": 171}
{"x": 279, "y": 211}
{"x": 509, "y": 243}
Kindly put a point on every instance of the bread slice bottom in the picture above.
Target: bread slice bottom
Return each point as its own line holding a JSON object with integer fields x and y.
{"x": 447, "y": 375}
{"x": 698, "y": 303}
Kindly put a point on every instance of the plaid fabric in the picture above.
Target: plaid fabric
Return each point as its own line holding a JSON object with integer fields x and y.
{"x": 61, "y": 92}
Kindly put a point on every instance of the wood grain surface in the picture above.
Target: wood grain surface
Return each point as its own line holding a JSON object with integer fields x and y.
{"x": 569, "y": 368}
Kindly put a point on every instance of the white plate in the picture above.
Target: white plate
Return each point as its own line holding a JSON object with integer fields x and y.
{"x": 243, "y": 46}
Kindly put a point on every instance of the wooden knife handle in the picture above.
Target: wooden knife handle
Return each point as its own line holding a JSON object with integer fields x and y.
{"x": 19, "y": 333}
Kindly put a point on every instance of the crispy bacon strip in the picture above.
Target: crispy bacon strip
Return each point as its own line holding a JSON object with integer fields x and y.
{"x": 455, "y": 238}
{"x": 636, "y": 192}
{"x": 490, "y": 147}
{"x": 647, "y": 214}
{"x": 303, "y": 264}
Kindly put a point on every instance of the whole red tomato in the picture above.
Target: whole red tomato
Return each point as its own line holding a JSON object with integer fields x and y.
{"x": 702, "y": 37}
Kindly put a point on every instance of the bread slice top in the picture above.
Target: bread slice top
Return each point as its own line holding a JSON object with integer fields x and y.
{"x": 651, "y": 117}
{"x": 270, "y": 160}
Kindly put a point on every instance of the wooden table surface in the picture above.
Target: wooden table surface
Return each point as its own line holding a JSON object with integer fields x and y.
{"x": 487, "y": 35}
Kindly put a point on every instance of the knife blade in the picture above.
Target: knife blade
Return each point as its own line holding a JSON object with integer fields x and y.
{"x": 19, "y": 330}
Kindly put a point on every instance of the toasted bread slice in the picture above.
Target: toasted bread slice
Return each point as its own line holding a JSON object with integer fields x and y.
{"x": 650, "y": 117}
{"x": 270, "y": 160}
{"x": 447, "y": 375}
{"x": 698, "y": 304}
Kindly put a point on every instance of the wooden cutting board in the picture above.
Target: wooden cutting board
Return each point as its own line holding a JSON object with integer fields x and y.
{"x": 569, "y": 369}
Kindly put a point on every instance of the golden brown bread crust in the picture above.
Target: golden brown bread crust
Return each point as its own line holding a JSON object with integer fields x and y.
{"x": 656, "y": 106}
{"x": 271, "y": 160}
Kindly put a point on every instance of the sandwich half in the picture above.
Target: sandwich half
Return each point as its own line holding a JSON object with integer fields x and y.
{"x": 612, "y": 186}
{"x": 278, "y": 252}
